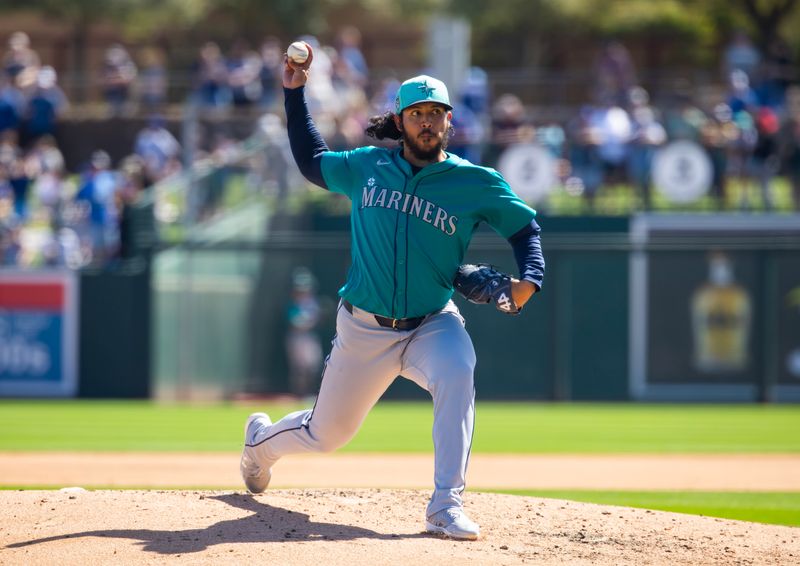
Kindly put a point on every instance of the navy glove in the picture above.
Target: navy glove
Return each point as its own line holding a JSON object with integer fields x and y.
{"x": 482, "y": 284}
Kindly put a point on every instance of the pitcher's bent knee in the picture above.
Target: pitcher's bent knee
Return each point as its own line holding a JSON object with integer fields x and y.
{"x": 453, "y": 375}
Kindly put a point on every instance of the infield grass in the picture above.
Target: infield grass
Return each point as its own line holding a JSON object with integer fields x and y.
{"x": 762, "y": 507}
{"x": 514, "y": 428}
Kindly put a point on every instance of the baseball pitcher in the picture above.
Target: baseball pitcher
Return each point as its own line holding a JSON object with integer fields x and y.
{"x": 414, "y": 210}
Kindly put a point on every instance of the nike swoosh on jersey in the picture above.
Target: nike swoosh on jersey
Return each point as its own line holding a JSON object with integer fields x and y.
{"x": 383, "y": 162}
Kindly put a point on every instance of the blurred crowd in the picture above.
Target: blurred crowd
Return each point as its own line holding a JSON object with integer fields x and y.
{"x": 50, "y": 216}
{"x": 748, "y": 131}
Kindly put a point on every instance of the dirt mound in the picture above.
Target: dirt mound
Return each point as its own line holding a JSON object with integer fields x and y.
{"x": 361, "y": 526}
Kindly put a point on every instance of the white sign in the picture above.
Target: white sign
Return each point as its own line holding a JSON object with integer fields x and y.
{"x": 682, "y": 171}
{"x": 530, "y": 170}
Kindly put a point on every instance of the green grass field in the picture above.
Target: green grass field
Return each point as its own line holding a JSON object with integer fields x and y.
{"x": 519, "y": 428}
{"x": 762, "y": 507}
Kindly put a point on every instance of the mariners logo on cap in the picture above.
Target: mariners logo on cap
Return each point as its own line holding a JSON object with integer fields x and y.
{"x": 427, "y": 90}
{"x": 421, "y": 89}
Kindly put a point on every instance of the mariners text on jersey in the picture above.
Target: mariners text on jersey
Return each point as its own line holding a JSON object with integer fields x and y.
{"x": 421, "y": 208}
{"x": 410, "y": 229}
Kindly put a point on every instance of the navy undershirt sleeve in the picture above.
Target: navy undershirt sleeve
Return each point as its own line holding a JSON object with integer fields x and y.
{"x": 527, "y": 248}
{"x": 304, "y": 137}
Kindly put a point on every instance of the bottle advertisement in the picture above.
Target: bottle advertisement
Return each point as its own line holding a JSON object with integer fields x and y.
{"x": 703, "y": 316}
{"x": 722, "y": 320}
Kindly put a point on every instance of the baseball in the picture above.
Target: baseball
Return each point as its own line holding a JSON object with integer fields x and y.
{"x": 297, "y": 52}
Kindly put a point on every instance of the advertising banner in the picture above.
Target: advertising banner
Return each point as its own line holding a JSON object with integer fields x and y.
{"x": 700, "y": 323}
{"x": 715, "y": 307}
{"x": 38, "y": 334}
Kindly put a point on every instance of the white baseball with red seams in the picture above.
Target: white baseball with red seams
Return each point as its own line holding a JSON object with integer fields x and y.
{"x": 297, "y": 52}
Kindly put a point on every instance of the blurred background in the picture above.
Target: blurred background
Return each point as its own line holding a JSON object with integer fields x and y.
{"x": 157, "y": 240}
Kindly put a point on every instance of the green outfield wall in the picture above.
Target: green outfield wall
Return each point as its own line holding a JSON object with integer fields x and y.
{"x": 619, "y": 318}
{"x": 219, "y": 314}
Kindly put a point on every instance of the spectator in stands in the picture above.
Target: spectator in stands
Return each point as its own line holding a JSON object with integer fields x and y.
{"x": 10, "y": 221}
{"x": 614, "y": 73}
{"x": 158, "y": 149}
{"x": 271, "y": 71}
{"x": 468, "y": 133}
{"x": 98, "y": 228}
{"x": 45, "y": 106}
{"x": 152, "y": 79}
{"x": 740, "y": 95}
{"x": 740, "y": 55}
{"x": 510, "y": 126}
{"x": 13, "y": 174}
{"x": 776, "y": 75}
{"x": 244, "y": 74}
{"x": 45, "y": 157}
{"x": 471, "y": 119}
{"x": 118, "y": 76}
{"x": 20, "y": 184}
{"x": 586, "y": 173}
{"x": 740, "y": 169}
{"x": 718, "y": 135}
{"x": 475, "y": 93}
{"x": 765, "y": 159}
{"x": 211, "y": 77}
{"x": 614, "y": 129}
{"x": 21, "y": 62}
{"x": 12, "y": 104}
{"x": 10, "y": 230}
{"x": 647, "y": 135}
{"x": 350, "y": 92}
{"x": 45, "y": 164}
{"x": 131, "y": 184}
{"x": 353, "y": 61}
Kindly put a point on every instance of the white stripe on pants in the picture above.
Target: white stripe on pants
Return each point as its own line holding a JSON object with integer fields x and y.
{"x": 365, "y": 359}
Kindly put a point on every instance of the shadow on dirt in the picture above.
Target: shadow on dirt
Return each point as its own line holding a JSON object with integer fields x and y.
{"x": 266, "y": 524}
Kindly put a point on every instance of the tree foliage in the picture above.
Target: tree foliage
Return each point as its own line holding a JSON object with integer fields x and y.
{"x": 505, "y": 32}
{"x": 768, "y": 16}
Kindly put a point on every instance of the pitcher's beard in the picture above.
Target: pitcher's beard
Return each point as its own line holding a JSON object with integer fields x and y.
{"x": 422, "y": 153}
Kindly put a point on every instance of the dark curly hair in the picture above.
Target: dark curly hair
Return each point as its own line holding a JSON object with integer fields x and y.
{"x": 382, "y": 127}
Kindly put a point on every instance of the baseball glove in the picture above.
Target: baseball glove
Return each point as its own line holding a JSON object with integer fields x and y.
{"x": 482, "y": 283}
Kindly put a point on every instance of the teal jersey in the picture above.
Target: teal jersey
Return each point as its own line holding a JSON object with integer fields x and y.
{"x": 410, "y": 232}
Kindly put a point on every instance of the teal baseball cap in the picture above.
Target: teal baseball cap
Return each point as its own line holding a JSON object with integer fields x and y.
{"x": 421, "y": 89}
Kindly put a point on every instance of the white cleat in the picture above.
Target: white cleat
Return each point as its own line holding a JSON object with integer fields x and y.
{"x": 255, "y": 474}
{"x": 454, "y": 523}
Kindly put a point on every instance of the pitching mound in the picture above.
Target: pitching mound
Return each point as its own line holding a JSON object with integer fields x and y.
{"x": 361, "y": 526}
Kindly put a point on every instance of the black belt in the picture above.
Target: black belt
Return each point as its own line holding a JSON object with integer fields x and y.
{"x": 393, "y": 323}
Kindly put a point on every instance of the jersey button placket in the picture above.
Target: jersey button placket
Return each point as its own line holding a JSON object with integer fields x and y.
{"x": 400, "y": 259}
{"x": 401, "y": 240}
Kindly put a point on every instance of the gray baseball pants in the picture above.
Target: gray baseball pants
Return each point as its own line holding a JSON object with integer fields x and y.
{"x": 366, "y": 358}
